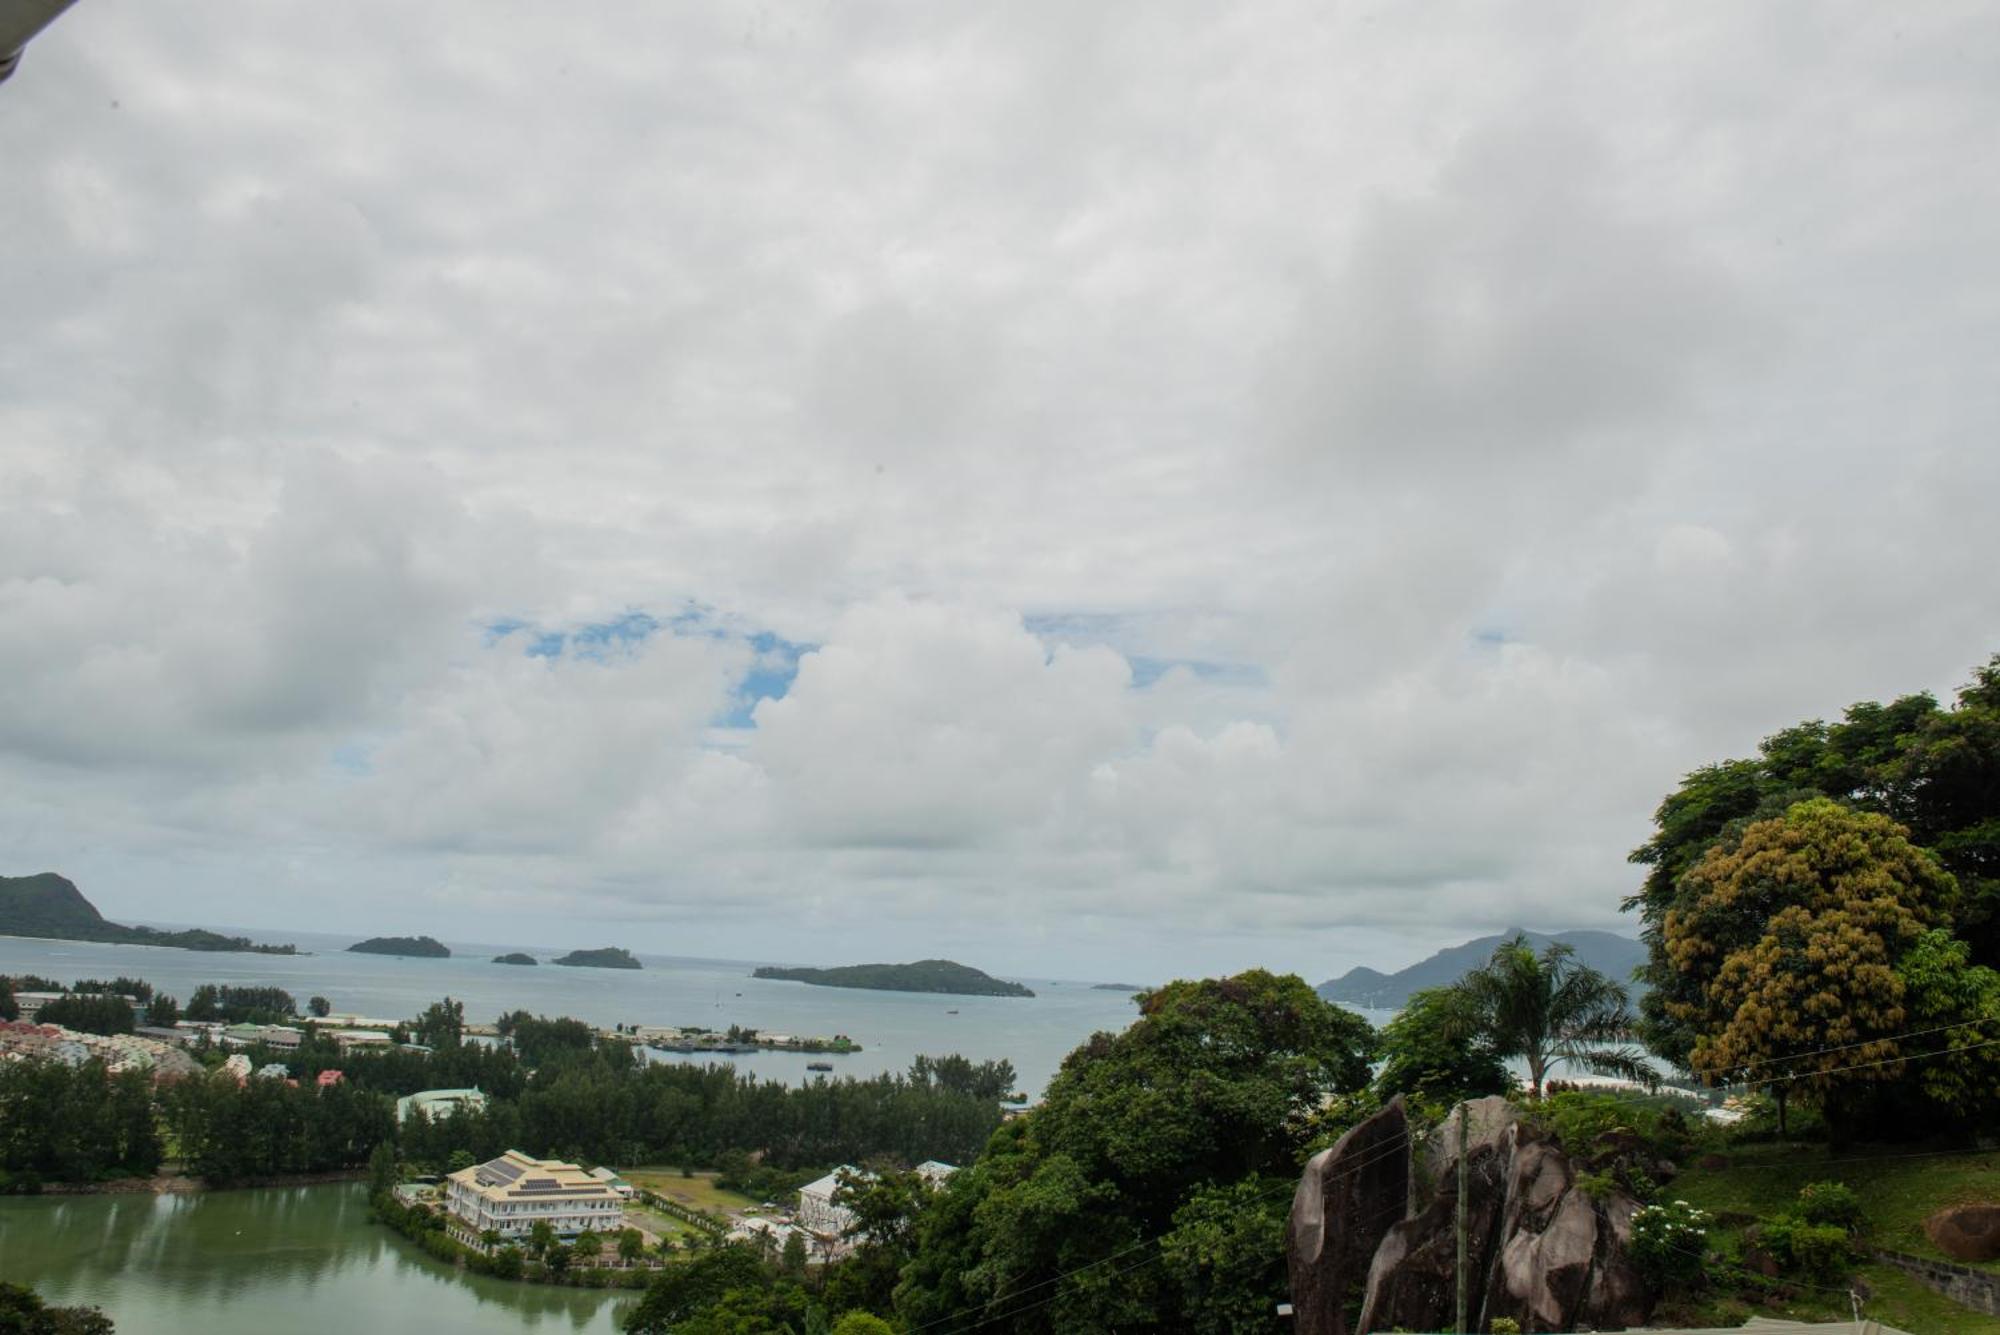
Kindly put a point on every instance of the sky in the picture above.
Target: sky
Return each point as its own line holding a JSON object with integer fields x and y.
{"x": 1102, "y": 491}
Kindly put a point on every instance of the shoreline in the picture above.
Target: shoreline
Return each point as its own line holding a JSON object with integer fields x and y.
{"x": 178, "y": 1184}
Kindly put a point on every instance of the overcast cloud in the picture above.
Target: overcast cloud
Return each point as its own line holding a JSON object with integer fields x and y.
{"x": 1121, "y": 489}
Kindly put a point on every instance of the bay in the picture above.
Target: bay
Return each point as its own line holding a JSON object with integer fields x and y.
{"x": 305, "y": 1259}
{"x": 1035, "y": 1033}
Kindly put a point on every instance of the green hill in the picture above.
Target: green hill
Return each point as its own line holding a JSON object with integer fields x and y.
{"x": 419, "y": 947}
{"x": 50, "y": 907}
{"x": 1612, "y": 955}
{"x": 945, "y": 976}
{"x": 611, "y": 957}
{"x": 514, "y": 957}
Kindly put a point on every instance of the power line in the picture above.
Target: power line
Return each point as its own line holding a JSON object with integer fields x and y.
{"x": 1865, "y": 1042}
{"x": 1400, "y": 1141}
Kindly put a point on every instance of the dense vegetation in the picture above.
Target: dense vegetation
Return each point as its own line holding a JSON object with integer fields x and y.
{"x": 240, "y": 1005}
{"x": 609, "y": 957}
{"x": 22, "y": 1312}
{"x": 60, "y": 1123}
{"x": 48, "y": 905}
{"x": 1823, "y": 920}
{"x": 946, "y": 976}
{"x": 514, "y": 957}
{"x": 88, "y": 1013}
{"x": 419, "y": 947}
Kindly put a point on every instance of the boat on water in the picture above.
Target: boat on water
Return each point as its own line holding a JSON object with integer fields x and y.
{"x": 951, "y": 1012}
{"x": 819, "y": 1066}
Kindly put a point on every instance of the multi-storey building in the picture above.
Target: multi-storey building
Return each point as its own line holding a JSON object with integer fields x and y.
{"x": 511, "y": 1194}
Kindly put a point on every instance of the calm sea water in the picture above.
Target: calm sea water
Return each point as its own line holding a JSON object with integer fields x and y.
{"x": 1034, "y": 1033}
{"x": 303, "y": 1259}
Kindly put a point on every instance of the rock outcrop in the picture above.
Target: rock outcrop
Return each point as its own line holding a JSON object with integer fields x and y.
{"x": 1966, "y": 1232}
{"x": 1539, "y": 1249}
{"x": 1346, "y": 1199}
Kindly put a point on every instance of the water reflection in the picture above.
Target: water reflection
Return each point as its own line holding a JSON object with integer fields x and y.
{"x": 304, "y": 1258}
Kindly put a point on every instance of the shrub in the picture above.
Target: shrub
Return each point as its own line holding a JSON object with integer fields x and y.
{"x": 1670, "y": 1244}
{"x": 1831, "y": 1203}
{"x": 1818, "y": 1253}
{"x": 1504, "y": 1325}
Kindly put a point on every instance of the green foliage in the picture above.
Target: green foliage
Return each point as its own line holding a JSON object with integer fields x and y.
{"x": 1670, "y": 1244}
{"x": 9, "y": 1008}
{"x": 22, "y": 1312}
{"x": 1503, "y": 1325}
{"x": 1818, "y": 1253}
{"x": 163, "y": 1012}
{"x": 88, "y": 1014}
{"x": 861, "y": 1323}
{"x": 1787, "y": 938}
{"x": 241, "y": 1005}
{"x": 683, "y": 1290}
{"x": 320, "y": 1007}
{"x": 382, "y": 1168}
{"x": 1831, "y": 1203}
{"x": 607, "y": 957}
{"x": 1227, "y": 1255}
{"x": 1219, "y": 1081}
{"x": 442, "y": 1025}
{"x": 137, "y": 988}
{"x": 960, "y": 1075}
{"x": 48, "y": 905}
{"x": 262, "y": 1128}
{"x": 1546, "y": 1009}
{"x": 1435, "y": 1051}
{"x": 1935, "y": 771}
{"x": 75, "y": 1124}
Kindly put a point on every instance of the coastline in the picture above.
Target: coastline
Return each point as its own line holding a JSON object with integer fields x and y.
{"x": 178, "y": 1184}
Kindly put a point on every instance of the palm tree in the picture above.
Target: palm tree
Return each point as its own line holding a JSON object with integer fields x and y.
{"x": 1548, "y": 1009}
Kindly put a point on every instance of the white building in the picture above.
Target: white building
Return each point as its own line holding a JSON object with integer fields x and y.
{"x": 934, "y": 1172}
{"x": 817, "y": 1213}
{"x": 511, "y": 1194}
{"x": 238, "y": 1065}
{"x": 613, "y": 1181}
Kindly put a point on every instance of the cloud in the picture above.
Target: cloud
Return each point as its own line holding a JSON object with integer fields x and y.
{"x": 1165, "y": 486}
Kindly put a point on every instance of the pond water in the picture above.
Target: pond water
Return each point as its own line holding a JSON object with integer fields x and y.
{"x": 303, "y": 1259}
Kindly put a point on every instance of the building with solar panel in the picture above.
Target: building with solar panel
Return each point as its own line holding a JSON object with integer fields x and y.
{"x": 511, "y": 1194}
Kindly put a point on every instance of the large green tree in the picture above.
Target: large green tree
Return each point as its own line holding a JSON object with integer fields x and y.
{"x": 1547, "y": 1009}
{"x": 1436, "y": 1051}
{"x": 1934, "y": 770}
{"x": 1219, "y": 1082}
{"x": 1788, "y": 939}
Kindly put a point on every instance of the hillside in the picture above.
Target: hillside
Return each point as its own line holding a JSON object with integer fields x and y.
{"x": 945, "y": 976}
{"x": 49, "y": 906}
{"x": 419, "y": 947}
{"x": 610, "y": 957}
{"x": 1612, "y": 955}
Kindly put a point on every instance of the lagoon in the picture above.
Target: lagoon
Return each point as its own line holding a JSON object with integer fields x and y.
{"x": 304, "y": 1259}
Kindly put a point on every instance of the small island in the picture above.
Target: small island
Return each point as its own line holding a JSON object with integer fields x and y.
{"x": 611, "y": 957}
{"x": 947, "y": 976}
{"x": 514, "y": 957}
{"x": 1116, "y": 987}
{"x": 421, "y": 947}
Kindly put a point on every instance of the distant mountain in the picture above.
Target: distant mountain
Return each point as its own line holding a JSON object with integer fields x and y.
{"x": 50, "y": 907}
{"x": 418, "y": 947}
{"x": 1612, "y": 955}
{"x": 946, "y": 976}
{"x": 611, "y": 957}
{"x": 514, "y": 957}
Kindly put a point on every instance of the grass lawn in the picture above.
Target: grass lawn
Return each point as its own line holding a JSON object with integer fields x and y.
{"x": 653, "y": 1221}
{"x": 698, "y": 1192}
{"x": 1898, "y": 1190}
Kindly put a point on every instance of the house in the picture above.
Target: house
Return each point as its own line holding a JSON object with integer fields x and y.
{"x": 817, "y": 1213}
{"x": 511, "y": 1194}
{"x": 436, "y": 1103}
{"x": 615, "y": 1182}
{"x": 350, "y": 1039}
{"x": 273, "y": 1071}
{"x": 330, "y": 1077}
{"x": 31, "y": 1003}
{"x": 934, "y": 1173}
{"x": 238, "y": 1065}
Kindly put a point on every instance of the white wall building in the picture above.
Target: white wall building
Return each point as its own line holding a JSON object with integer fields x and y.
{"x": 511, "y": 1194}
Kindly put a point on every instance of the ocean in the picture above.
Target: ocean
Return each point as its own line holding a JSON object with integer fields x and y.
{"x": 1034, "y": 1033}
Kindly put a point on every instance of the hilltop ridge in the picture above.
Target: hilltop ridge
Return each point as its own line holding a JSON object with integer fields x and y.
{"x": 1610, "y": 954}
{"x": 48, "y": 906}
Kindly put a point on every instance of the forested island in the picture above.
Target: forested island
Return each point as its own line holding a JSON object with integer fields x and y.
{"x": 610, "y": 957}
{"x": 50, "y": 907}
{"x": 514, "y": 957}
{"x": 420, "y": 947}
{"x": 946, "y": 976}
{"x": 1116, "y": 987}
